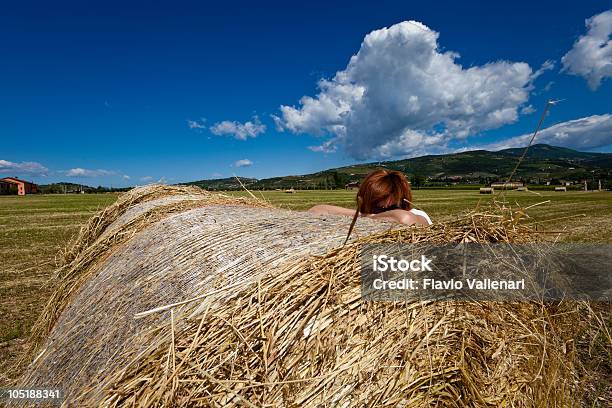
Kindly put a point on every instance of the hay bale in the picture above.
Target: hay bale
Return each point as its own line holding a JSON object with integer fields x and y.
{"x": 486, "y": 190}
{"x": 163, "y": 248}
{"x": 561, "y": 188}
{"x": 266, "y": 310}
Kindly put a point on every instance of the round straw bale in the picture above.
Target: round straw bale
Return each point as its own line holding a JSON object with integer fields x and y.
{"x": 161, "y": 250}
{"x": 234, "y": 303}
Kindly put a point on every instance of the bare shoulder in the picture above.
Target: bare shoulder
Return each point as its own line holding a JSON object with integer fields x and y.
{"x": 403, "y": 217}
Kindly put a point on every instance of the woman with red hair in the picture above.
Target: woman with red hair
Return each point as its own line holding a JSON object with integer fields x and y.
{"x": 383, "y": 195}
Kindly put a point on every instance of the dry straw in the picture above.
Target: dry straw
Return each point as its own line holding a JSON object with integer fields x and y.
{"x": 251, "y": 306}
{"x": 100, "y": 235}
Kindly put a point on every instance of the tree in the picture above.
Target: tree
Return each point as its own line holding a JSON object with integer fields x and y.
{"x": 418, "y": 180}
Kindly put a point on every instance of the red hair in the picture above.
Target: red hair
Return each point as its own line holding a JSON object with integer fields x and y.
{"x": 384, "y": 188}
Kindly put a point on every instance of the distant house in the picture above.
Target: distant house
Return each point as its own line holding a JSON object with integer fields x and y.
{"x": 507, "y": 185}
{"x": 353, "y": 185}
{"x": 9, "y": 185}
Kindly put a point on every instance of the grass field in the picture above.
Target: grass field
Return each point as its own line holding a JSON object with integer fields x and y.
{"x": 34, "y": 228}
{"x": 585, "y": 216}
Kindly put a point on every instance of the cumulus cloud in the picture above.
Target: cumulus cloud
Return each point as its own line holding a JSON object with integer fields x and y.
{"x": 80, "y": 172}
{"x": 583, "y": 134}
{"x": 242, "y": 163}
{"x": 241, "y": 131}
{"x": 125, "y": 177}
{"x": 146, "y": 178}
{"x": 23, "y": 167}
{"x": 417, "y": 144}
{"x": 591, "y": 55}
{"x": 400, "y": 94}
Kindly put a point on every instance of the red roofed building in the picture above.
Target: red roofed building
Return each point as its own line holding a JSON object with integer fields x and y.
{"x": 10, "y": 184}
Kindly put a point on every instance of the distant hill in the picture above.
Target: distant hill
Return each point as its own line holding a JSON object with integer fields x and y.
{"x": 544, "y": 151}
{"x": 543, "y": 163}
{"x": 229, "y": 183}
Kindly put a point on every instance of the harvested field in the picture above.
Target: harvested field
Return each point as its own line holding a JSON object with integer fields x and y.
{"x": 34, "y": 228}
{"x": 292, "y": 329}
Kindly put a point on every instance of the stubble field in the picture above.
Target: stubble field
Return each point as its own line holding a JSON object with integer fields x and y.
{"x": 34, "y": 228}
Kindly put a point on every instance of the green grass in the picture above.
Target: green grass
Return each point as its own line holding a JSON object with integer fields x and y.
{"x": 590, "y": 214}
{"x": 34, "y": 228}
{"x": 13, "y": 333}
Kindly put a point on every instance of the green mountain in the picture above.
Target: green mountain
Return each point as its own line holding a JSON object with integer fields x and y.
{"x": 544, "y": 151}
{"x": 229, "y": 183}
{"x": 543, "y": 163}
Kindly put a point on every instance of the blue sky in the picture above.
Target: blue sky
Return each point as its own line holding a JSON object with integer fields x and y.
{"x": 124, "y": 93}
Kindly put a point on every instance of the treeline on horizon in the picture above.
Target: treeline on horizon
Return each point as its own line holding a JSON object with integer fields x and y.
{"x": 335, "y": 181}
{"x": 72, "y": 188}
{"x": 331, "y": 181}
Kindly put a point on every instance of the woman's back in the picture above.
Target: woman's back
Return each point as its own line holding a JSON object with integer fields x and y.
{"x": 383, "y": 195}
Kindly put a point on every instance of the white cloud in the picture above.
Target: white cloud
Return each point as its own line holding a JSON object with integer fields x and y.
{"x": 217, "y": 175}
{"x": 125, "y": 177}
{"x": 242, "y": 163}
{"x": 528, "y": 110}
{"x": 583, "y": 134}
{"x": 548, "y": 86}
{"x": 416, "y": 143}
{"x": 400, "y": 91}
{"x": 328, "y": 146}
{"x": 591, "y": 55}
{"x": 146, "y": 178}
{"x": 80, "y": 172}
{"x": 197, "y": 124}
{"x": 240, "y": 131}
{"x": 23, "y": 167}
{"x": 548, "y": 65}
